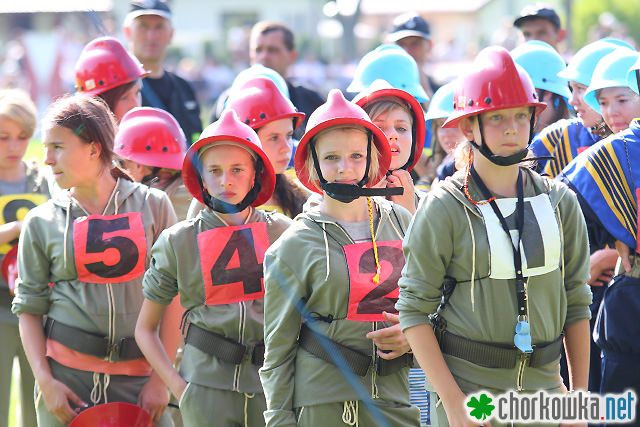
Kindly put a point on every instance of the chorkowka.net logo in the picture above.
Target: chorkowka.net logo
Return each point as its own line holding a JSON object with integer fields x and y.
{"x": 541, "y": 406}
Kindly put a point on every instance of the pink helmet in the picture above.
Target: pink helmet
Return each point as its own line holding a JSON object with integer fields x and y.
{"x": 105, "y": 64}
{"x": 151, "y": 137}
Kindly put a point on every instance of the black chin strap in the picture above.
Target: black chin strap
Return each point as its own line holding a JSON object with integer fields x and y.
{"x": 515, "y": 158}
{"x": 347, "y": 193}
{"x": 229, "y": 208}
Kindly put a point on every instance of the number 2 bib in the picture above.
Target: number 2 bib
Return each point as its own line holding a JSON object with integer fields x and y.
{"x": 109, "y": 248}
{"x": 14, "y": 207}
{"x": 231, "y": 260}
{"x": 367, "y": 300}
{"x": 540, "y": 244}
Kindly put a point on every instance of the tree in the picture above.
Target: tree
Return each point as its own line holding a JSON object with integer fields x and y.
{"x": 596, "y": 18}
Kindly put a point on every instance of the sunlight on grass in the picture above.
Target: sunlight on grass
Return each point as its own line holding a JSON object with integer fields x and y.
{"x": 14, "y": 403}
{"x": 35, "y": 151}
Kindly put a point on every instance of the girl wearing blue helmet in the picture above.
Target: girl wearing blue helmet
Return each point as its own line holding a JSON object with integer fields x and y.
{"x": 564, "y": 139}
{"x": 543, "y": 63}
{"x": 607, "y": 180}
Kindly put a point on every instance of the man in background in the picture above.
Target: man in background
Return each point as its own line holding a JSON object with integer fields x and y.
{"x": 149, "y": 30}
{"x": 540, "y": 22}
{"x": 412, "y": 33}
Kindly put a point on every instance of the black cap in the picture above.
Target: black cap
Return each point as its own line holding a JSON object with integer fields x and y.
{"x": 148, "y": 7}
{"x": 407, "y": 25}
{"x": 538, "y": 11}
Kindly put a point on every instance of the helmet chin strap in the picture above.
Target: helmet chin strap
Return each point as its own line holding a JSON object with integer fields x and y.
{"x": 514, "y": 158}
{"x": 413, "y": 148}
{"x": 347, "y": 193}
{"x": 228, "y": 208}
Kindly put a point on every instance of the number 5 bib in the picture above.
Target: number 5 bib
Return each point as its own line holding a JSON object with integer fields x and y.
{"x": 231, "y": 260}
{"x": 109, "y": 248}
{"x": 540, "y": 244}
{"x": 367, "y": 300}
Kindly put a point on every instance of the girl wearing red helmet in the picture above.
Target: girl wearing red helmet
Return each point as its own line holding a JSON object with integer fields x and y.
{"x": 81, "y": 258}
{"x": 22, "y": 187}
{"x": 331, "y": 281}
{"x": 214, "y": 261}
{"x": 497, "y": 257}
{"x": 105, "y": 69}
{"x": 152, "y": 145}
{"x": 401, "y": 118}
{"x": 259, "y": 103}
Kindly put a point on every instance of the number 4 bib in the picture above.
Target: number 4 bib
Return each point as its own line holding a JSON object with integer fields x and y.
{"x": 367, "y": 300}
{"x": 109, "y": 248}
{"x": 231, "y": 260}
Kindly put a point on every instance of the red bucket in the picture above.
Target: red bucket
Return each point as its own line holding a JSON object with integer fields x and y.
{"x": 116, "y": 414}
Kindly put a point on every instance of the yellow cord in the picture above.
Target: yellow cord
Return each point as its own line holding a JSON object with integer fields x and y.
{"x": 376, "y": 278}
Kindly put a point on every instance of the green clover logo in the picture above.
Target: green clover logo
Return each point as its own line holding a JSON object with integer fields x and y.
{"x": 481, "y": 408}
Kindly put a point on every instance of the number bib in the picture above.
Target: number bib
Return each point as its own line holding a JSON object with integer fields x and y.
{"x": 14, "y": 207}
{"x": 540, "y": 244}
{"x": 367, "y": 300}
{"x": 231, "y": 260}
{"x": 109, "y": 248}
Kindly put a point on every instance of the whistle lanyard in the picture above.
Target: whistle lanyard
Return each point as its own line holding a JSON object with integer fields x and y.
{"x": 522, "y": 338}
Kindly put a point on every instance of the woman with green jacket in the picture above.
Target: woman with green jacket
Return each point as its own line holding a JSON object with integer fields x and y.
{"x": 22, "y": 187}
{"x": 81, "y": 258}
{"x": 214, "y": 262}
{"x": 334, "y": 355}
{"x": 497, "y": 257}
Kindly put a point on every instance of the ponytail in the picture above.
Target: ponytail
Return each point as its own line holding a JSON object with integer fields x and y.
{"x": 117, "y": 172}
{"x": 290, "y": 197}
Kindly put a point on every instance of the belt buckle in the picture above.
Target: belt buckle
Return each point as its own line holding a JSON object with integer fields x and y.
{"x": 526, "y": 358}
{"x": 248, "y": 352}
{"x": 114, "y": 350}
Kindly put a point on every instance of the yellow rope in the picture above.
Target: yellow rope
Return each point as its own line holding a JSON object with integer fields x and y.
{"x": 376, "y": 278}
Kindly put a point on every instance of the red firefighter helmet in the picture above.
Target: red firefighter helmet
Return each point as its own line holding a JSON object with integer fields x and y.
{"x": 151, "y": 137}
{"x": 114, "y": 414}
{"x": 382, "y": 89}
{"x": 103, "y": 64}
{"x": 494, "y": 82}
{"x": 338, "y": 111}
{"x": 258, "y": 102}
{"x": 228, "y": 129}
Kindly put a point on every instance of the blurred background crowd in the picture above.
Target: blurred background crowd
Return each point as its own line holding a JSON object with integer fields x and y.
{"x": 41, "y": 40}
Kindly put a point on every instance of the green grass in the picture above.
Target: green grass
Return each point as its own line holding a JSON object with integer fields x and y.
{"x": 35, "y": 151}
{"x": 14, "y": 404}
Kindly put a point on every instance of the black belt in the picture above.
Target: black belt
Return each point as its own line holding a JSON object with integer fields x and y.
{"x": 492, "y": 356}
{"x": 224, "y": 348}
{"x": 356, "y": 361}
{"x": 95, "y": 345}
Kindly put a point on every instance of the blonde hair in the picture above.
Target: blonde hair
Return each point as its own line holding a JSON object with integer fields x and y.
{"x": 17, "y": 106}
{"x": 384, "y": 105}
{"x": 374, "y": 164}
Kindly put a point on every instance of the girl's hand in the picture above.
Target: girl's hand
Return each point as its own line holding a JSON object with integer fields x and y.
{"x": 601, "y": 266}
{"x": 402, "y": 178}
{"x": 624, "y": 253}
{"x": 178, "y": 389}
{"x": 390, "y": 341}
{"x": 57, "y": 396}
{"x": 154, "y": 397}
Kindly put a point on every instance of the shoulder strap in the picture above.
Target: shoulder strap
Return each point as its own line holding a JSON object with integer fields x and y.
{"x": 151, "y": 96}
